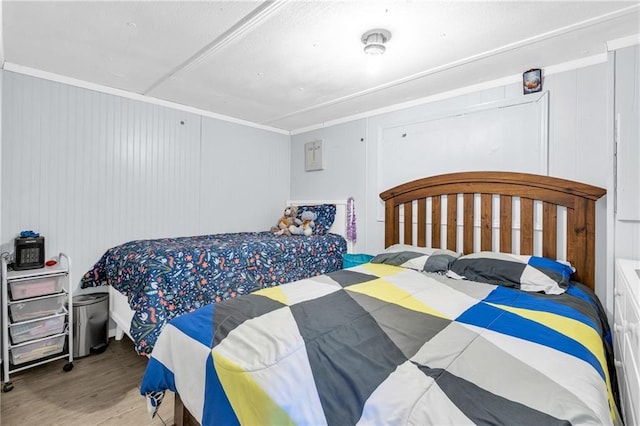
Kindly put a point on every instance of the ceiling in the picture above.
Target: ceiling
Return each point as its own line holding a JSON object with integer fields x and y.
{"x": 292, "y": 65}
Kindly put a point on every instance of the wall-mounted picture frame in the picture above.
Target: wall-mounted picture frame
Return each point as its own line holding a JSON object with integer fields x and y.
{"x": 532, "y": 81}
{"x": 314, "y": 155}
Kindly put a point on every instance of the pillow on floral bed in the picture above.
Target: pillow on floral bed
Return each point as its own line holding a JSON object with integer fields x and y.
{"x": 425, "y": 259}
{"x": 325, "y": 215}
{"x": 528, "y": 273}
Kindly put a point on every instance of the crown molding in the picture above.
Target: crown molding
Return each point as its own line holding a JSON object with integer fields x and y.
{"x": 623, "y": 42}
{"x": 8, "y": 66}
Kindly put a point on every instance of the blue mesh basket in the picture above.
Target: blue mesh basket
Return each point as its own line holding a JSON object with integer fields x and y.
{"x": 351, "y": 260}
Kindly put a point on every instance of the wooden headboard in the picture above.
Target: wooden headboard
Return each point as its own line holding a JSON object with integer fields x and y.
{"x": 578, "y": 199}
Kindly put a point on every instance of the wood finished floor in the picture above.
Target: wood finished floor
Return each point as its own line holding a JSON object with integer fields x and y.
{"x": 100, "y": 390}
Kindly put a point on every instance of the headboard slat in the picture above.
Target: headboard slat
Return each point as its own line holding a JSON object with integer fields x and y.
{"x": 392, "y": 223}
{"x": 526, "y": 226}
{"x": 550, "y": 223}
{"x": 436, "y": 224}
{"x": 506, "y": 223}
{"x": 486, "y": 222}
{"x": 408, "y": 223}
{"x": 422, "y": 222}
{"x": 578, "y": 199}
{"x": 452, "y": 221}
{"x": 467, "y": 223}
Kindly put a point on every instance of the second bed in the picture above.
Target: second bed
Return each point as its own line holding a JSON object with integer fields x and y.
{"x": 153, "y": 281}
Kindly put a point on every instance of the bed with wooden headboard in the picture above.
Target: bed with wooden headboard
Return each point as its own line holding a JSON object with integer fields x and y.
{"x": 578, "y": 199}
{"x": 494, "y": 211}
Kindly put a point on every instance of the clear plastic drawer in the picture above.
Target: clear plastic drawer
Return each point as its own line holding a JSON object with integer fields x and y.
{"x": 37, "y": 308}
{"x": 37, "y": 350}
{"x": 36, "y": 287}
{"x": 37, "y": 329}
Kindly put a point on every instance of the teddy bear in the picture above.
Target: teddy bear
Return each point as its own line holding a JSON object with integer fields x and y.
{"x": 304, "y": 225}
{"x": 287, "y": 219}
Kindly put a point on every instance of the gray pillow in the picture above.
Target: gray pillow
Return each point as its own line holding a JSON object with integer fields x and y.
{"x": 424, "y": 259}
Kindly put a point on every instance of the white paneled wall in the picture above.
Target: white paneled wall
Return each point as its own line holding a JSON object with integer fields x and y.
{"x": 344, "y": 174}
{"x": 89, "y": 170}
{"x": 577, "y": 150}
{"x": 627, "y": 113}
{"x": 247, "y": 168}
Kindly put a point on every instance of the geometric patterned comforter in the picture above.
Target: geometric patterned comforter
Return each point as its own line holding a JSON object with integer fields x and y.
{"x": 381, "y": 344}
{"x": 167, "y": 277}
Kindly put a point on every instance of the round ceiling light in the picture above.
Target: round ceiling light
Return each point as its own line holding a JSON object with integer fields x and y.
{"x": 374, "y": 41}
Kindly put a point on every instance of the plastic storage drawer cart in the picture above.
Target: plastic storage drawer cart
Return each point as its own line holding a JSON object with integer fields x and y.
{"x": 35, "y": 323}
{"x": 90, "y": 323}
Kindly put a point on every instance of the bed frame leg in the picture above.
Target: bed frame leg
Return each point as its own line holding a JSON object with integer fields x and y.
{"x": 182, "y": 416}
{"x": 178, "y": 411}
{"x": 119, "y": 333}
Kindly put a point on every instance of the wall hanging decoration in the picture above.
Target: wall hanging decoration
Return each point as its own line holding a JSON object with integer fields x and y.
{"x": 314, "y": 155}
{"x": 351, "y": 220}
{"x": 532, "y": 81}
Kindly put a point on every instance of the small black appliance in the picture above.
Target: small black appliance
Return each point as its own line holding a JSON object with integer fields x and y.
{"x": 29, "y": 252}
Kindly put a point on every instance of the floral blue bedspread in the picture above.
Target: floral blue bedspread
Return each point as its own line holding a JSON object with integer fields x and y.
{"x": 164, "y": 278}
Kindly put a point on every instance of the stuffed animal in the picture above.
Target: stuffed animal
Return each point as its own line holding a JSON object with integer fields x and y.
{"x": 304, "y": 225}
{"x": 287, "y": 219}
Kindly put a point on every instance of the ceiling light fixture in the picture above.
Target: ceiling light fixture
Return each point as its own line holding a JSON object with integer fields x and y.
{"x": 374, "y": 41}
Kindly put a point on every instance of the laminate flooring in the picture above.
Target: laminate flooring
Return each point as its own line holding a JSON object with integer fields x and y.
{"x": 101, "y": 389}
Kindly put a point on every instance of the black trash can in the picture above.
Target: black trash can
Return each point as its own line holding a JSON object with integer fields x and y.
{"x": 90, "y": 324}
